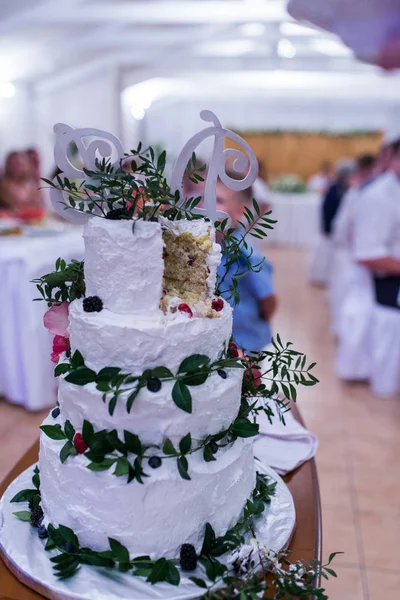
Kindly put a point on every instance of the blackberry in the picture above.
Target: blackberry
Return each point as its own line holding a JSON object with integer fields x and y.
{"x": 153, "y": 384}
{"x": 30, "y": 502}
{"x": 92, "y": 304}
{"x": 214, "y": 447}
{"x": 55, "y": 412}
{"x": 222, "y": 373}
{"x": 155, "y": 462}
{"x": 117, "y": 213}
{"x": 154, "y": 220}
{"x": 188, "y": 557}
{"x": 37, "y": 516}
{"x": 42, "y": 532}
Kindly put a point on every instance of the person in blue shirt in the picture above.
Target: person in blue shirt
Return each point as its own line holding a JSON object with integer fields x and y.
{"x": 258, "y": 302}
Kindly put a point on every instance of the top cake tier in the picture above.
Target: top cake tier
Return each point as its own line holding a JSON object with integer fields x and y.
{"x": 144, "y": 267}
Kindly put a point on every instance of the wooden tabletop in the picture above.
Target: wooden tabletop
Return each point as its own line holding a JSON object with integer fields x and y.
{"x": 306, "y": 543}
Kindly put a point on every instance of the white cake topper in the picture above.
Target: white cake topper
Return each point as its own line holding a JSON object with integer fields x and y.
{"x": 217, "y": 166}
{"x": 104, "y": 145}
{"x": 109, "y": 147}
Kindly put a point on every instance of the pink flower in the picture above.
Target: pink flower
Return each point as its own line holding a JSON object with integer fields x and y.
{"x": 60, "y": 345}
{"x": 56, "y": 319}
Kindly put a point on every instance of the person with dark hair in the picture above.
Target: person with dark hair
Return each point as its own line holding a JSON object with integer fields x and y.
{"x": 335, "y": 193}
{"x": 258, "y": 302}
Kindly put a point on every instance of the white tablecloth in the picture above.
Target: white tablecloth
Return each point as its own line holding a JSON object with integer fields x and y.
{"x": 298, "y": 217}
{"x": 26, "y": 372}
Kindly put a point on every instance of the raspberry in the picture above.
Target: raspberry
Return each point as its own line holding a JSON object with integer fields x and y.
{"x": 79, "y": 444}
{"x": 186, "y": 309}
{"x": 233, "y": 351}
{"x": 217, "y": 304}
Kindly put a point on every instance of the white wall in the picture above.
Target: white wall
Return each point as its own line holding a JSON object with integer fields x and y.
{"x": 16, "y": 121}
{"x": 89, "y": 98}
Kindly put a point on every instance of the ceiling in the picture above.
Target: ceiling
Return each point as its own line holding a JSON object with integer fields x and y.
{"x": 41, "y": 39}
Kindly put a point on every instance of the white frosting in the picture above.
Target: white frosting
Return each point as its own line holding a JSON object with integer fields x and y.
{"x": 124, "y": 267}
{"x": 199, "y": 228}
{"x": 137, "y": 342}
{"x": 154, "y": 416}
{"x": 153, "y": 518}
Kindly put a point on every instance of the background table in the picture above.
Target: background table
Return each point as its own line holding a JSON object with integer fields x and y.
{"x": 26, "y": 372}
{"x": 306, "y": 543}
{"x": 298, "y": 217}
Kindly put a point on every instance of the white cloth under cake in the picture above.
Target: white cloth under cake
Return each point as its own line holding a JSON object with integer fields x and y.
{"x": 284, "y": 447}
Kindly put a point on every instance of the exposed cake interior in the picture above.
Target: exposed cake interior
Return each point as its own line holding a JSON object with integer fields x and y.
{"x": 185, "y": 265}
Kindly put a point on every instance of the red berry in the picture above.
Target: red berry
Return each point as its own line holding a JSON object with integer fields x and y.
{"x": 233, "y": 350}
{"x": 79, "y": 444}
{"x": 186, "y": 309}
{"x": 217, "y": 304}
{"x": 256, "y": 376}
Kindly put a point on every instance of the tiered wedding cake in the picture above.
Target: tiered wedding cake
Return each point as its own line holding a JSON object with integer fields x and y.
{"x": 149, "y": 304}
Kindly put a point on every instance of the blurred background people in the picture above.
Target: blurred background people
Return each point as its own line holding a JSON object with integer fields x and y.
{"x": 19, "y": 194}
{"x": 335, "y": 193}
{"x": 258, "y": 302}
{"x": 321, "y": 181}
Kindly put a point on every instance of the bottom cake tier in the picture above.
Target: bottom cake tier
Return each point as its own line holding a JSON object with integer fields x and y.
{"x": 154, "y": 518}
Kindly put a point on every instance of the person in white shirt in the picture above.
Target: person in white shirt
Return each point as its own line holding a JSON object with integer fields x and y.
{"x": 377, "y": 248}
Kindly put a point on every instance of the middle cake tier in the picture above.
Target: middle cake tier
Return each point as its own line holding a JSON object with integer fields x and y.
{"x": 135, "y": 342}
{"x": 154, "y": 416}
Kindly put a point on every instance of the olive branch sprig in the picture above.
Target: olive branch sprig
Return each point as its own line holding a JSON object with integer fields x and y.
{"x": 236, "y": 249}
{"x": 137, "y": 185}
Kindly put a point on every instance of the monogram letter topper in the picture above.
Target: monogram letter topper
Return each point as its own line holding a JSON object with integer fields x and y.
{"x": 92, "y": 144}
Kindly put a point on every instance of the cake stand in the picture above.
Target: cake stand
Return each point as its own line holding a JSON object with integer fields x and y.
{"x": 24, "y": 554}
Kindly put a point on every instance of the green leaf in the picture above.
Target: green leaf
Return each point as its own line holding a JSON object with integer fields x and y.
{"x": 67, "y": 450}
{"x": 132, "y": 397}
{"x": 103, "y": 466}
{"x": 199, "y": 582}
{"x": 209, "y": 539}
{"x": 53, "y": 432}
{"x": 168, "y": 448}
{"x": 133, "y": 443}
{"x": 244, "y": 428}
{"x": 23, "y": 515}
{"x": 36, "y": 477}
{"x": 81, "y": 376}
{"x": 172, "y": 577}
{"x": 103, "y": 386}
{"x": 24, "y": 495}
{"x": 181, "y": 396}
{"x": 161, "y": 373}
{"x": 89, "y": 557}
{"x": 69, "y": 430}
{"x": 159, "y": 571}
{"x": 119, "y": 552}
{"x": 207, "y": 454}
{"x": 77, "y": 360}
{"x": 195, "y": 378}
{"x": 193, "y": 363}
{"x": 61, "y": 369}
{"x": 62, "y": 536}
{"x": 183, "y": 467}
{"x": 185, "y": 445}
{"x": 87, "y": 432}
{"x": 122, "y": 467}
{"x": 107, "y": 373}
{"x": 112, "y": 404}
